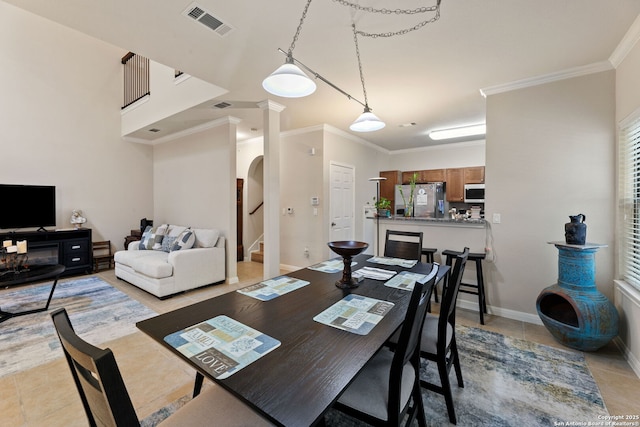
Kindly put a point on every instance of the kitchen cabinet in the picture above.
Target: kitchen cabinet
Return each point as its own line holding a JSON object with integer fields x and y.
{"x": 424, "y": 176}
{"x": 388, "y": 187}
{"x": 455, "y": 185}
{"x": 474, "y": 175}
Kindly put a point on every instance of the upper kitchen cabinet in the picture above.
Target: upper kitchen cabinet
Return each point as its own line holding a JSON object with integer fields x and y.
{"x": 474, "y": 175}
{"x": 455, "y": 185}
{"x": 424, "y": 176}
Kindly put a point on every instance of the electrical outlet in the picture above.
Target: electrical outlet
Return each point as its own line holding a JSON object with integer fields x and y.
{"x": 496, "y": 218}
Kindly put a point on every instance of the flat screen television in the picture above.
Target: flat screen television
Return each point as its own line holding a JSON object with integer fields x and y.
{"x": 24, "y": 206}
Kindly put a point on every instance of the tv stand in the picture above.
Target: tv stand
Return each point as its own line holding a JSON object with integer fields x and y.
{"x": 73, "y": 247}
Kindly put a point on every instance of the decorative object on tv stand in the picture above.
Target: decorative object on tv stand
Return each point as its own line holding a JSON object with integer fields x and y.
{"x": 77, "y": 219}
{"x": 408, "y": 207}
{"x": 291, "y": 82}
{"x": 573, "y": 310}
{"x": 575, "y": 232}
{"x": 347, "y": 249}
{"x": 13, "y": 258}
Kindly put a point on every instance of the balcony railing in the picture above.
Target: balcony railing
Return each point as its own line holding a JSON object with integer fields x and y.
{"x": 136, "y": 78}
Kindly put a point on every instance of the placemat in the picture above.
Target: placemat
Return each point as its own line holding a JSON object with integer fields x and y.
{"x": 273, "y": 288}
{"x": 355, "y": 313}
{"x": 406, "y": 263}
{"x": 222, "y": 346}
{"x": 334, "y": 265}
{"x": 406, "y": 280}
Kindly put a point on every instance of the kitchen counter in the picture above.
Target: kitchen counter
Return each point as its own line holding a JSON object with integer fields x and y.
{"x": 475, "y": 223}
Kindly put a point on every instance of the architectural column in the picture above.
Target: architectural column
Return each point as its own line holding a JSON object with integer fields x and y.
{"x": 271, "y": 120}
{"x": 232, "y": 238}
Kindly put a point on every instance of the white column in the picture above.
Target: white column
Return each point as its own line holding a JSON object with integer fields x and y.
{"x": 232, "y": 238}
{"x": 271, "y": 120}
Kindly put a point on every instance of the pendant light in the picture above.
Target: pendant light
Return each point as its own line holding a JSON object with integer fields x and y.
{"x": 289, "y": 80}
{"x": 367, "y": 122}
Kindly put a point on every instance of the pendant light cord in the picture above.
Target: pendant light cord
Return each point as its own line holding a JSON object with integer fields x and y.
{"x": 297, "y": 34}
{"x": 364, "y": 90}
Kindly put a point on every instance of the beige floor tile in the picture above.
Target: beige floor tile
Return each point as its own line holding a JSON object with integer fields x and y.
{"x": 10, "y": 406}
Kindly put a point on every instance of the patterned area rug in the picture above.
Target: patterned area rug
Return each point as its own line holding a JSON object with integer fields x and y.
{"x": 510, "y": 382}
{"x": 98, "y": 312}
{"x": 507, "y": 382}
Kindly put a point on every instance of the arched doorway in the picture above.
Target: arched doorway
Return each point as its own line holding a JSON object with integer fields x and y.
{"x": 254, "y": 220}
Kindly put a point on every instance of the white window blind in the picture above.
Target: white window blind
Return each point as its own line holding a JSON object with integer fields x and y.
{"x": 629, "y": 199}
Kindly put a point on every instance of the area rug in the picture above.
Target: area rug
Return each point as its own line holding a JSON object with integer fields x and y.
{"x": 507, "y": 382}
{"x": 98, "y": 311}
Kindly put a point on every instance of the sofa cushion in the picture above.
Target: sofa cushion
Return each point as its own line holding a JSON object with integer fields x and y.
{"x": 206, "y": 237}
{"x": 155, "y": 266}
{"x": 185, "y": 240}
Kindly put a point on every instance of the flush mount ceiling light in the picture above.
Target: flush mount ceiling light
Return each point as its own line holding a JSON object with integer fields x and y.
{"x": 458, "y": 132}
{"x": 291, "y": 82}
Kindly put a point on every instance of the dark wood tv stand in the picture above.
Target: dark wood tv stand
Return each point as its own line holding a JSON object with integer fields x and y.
{"x": 73, "y": 247}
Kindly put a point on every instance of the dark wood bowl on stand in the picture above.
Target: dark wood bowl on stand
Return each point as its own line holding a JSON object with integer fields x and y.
{"x": 347, "y": 249}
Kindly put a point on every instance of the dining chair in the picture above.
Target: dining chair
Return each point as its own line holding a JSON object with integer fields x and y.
{"x": 438, "y": 343}
{"x": 388, "y": 387}
{"x": 106, "y": 400}
{"x": 403, "y": 244}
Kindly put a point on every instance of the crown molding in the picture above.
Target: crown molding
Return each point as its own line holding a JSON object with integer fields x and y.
{"x": 626, "y": 44}
{"x": 569, "y": 73}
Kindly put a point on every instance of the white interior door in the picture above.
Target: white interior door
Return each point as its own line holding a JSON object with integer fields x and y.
{"x": 342, "y": 202}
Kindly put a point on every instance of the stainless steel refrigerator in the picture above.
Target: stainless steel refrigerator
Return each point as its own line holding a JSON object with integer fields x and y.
{"x": 428, "y": 200}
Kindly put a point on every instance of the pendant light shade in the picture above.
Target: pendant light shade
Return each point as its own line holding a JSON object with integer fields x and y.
{"x": 289, "y": 81}
{"x": 367, "y": 122}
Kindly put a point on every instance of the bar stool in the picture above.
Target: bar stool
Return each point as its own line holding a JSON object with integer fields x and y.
{"x": 468, "y": 288}
{"x": 428, "y": 253}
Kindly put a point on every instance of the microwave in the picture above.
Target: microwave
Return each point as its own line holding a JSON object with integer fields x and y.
{"x": 474, "y": 193}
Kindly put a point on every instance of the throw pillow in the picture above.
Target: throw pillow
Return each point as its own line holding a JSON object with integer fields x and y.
{"x": 161, "y": 232}
{"x": 185, "y": 240}
{"x": 146, "y": 241}
{"x": 167, "y": 242}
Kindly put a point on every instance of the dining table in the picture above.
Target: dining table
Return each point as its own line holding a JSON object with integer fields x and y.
{"x": 296, "y": 382}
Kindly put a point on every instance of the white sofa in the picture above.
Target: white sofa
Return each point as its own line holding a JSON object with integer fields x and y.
{"x": 167, "y": 269}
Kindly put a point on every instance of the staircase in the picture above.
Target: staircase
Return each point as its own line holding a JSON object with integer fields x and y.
{"x": 258, "y": 256}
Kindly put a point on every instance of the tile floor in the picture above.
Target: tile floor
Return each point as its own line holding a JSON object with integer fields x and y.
{"x": 45, "y": 396}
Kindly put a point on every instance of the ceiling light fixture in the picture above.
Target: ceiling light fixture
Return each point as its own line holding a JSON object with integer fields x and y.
{"x": 458, "y": 132}
{"x": 291, "y": 82}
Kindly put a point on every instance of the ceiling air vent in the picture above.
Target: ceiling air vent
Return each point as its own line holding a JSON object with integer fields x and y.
{"x": 199, "y": 14}
{"x": 222, "y": 105}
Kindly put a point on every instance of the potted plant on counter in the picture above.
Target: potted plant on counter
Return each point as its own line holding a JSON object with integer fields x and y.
{"x": 383, "y": 206}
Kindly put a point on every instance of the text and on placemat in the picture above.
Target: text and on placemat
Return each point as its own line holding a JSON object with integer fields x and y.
{"x": 221, "y": 345}
{"x": 273, "y": 288}
{"x": 355, "y": 313}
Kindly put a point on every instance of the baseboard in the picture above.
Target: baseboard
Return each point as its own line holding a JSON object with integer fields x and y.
{"x": 631, "y": 359}
{"x": 502, "y": 312}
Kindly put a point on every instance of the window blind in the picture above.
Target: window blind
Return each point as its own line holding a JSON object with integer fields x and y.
{"x": 629, "y": 199}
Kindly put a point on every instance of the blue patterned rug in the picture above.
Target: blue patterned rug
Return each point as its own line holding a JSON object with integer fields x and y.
{"x": 507, "y": 382}
{"x": 98, "y": 312}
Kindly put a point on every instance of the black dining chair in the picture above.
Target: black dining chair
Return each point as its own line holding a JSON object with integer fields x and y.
{"x": 438, "y": 341}
{"x": 106, "y": 400}
{"x": 388, "y": 387}
{"x": 403, "y": 244}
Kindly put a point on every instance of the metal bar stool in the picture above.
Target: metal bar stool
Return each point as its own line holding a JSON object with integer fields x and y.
{"x": 469, "y": 288}
{"x": 428, "y": 254}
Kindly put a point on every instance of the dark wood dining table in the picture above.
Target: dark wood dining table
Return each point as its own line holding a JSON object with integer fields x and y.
{"x": 295, "y": 384}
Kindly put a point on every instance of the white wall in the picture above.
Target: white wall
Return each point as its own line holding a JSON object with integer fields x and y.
{"x": 627, "y": 299}
{"x": 458, "y": 155}
{"x": 60, "y": 125}
{"x": 550, "y": 153}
